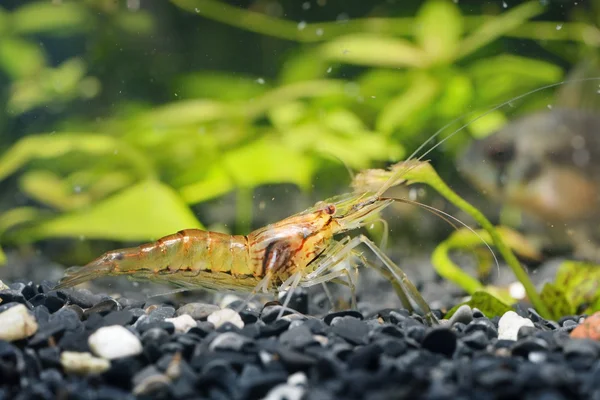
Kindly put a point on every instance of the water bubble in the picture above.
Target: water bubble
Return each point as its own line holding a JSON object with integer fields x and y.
{"x": 301, "y": 25}
{"x": 559, "y": 27}
{"x": 343, "y": 17}
{"x": 197, "y": 10}
{"x": 319, "y": 31}
{"x": 549, "y": 106}
{"x": 504, "y": 5}
{"x": 329, "y": 71}
{"x": 77, "y": 189}
{"x": 306, "y": 5}
{"x": 260, "y": 81}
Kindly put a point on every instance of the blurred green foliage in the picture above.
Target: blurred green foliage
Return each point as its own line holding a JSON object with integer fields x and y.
{"x": 140, "y": 125}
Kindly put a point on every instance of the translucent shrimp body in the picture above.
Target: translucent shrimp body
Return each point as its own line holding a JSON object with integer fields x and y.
{"x": 297, "y": 251}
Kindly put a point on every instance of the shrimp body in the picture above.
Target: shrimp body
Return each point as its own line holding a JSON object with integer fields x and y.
{"x": 297, "y": 251}
{"x": 212, "y": 260}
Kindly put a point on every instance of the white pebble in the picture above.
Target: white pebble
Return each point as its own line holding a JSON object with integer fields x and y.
{"x": 83, "y": 363}
{"x": 220, "y": 317}
{"x": 114, "y": 341}
{"x": 509, "y": 325}
{"x": 285, "y": 391}
{"x": 17, "y": 323}
{"x": 183, "y": 323}
{"x": 3, "y": 286}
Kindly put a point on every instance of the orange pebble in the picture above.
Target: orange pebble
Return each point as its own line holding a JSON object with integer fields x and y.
{"x": 589, "y": 329}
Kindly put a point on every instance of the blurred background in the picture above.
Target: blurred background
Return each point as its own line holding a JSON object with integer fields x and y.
{"x": 123, "y": 121}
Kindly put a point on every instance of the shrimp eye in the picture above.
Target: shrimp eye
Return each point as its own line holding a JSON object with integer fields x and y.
{"x": 502, "y": 153}
{"x": 330, "y": 209}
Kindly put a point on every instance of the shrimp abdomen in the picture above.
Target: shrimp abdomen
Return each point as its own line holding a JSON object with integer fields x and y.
{"x": 190, "y": 250}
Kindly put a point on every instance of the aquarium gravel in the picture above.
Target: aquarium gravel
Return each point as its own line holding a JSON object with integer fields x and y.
{"x": 81, "y": 345}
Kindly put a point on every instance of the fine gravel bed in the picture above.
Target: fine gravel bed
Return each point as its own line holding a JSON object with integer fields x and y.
{"x": 79, "y": 345}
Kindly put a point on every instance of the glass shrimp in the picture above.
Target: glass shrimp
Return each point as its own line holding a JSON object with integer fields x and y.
{"x": 297, "y": 251}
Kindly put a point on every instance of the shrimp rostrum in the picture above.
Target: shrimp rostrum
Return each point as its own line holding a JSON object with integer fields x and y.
{"x": 299, "y": 251}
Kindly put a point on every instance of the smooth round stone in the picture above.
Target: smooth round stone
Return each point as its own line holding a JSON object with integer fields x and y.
{"x": 484, "y": 325}
{"x": 114, "y": 341}
{"x": 476, "y": 340}
{"x": 104, "y": 307}
{"x": 463, "y": 314}
{"x": 531, "y": 344}
{"x": 124, "y": 317}
{"x": 298, "y": 337}
{"x": 229, "y": 341}
{"x": 17, "y": 323}
{"x": 440, "y": 340}
{"x": 81, "y": 297}
{"x": 198, "y": 311}
{"x": 353, "y": 330}
{"x": 220, "y": 317}
{"x": 349, "y": 313}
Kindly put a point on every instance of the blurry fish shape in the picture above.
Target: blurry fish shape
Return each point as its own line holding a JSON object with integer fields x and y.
{"x": 547, "y": 164}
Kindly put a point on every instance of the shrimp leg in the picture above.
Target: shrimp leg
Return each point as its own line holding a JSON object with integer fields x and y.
{"x": 403, "y": 283}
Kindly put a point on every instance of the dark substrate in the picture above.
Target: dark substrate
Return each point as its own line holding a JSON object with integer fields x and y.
{"x": 345, "y": 355}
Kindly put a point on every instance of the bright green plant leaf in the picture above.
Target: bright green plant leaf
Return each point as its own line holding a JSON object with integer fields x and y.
{"x": 145, "y": 211}
{"x": 418, "y": 96}
{"x": 215, "y": 183}
{"x": 373, "y": 50}
{"x": 487, "y": 124}
{"x": 439, "y": 27}
{"x": 344, "y": 121}
{"x": 48, "y": 188}
{"x": 355, "y": 150}
{"x": 495, "y": 27}
{"x": 20, "y": 58}
{"x": 489, "y": 305}
{"x": 185, "y": 112}
{"x": 268, "y": 161}
{"x": 287, "y": 115}
{"x": 50, "y": 18}
{"x": 2, "y": 257}
{"x": 556, "y": 301}
{"x": 21, "y": 215}
{"x": 458, "y": 94}
{"x": 218, "y": 85}
{"x": 48, "y": 146}
{"x": 580, "y": 282}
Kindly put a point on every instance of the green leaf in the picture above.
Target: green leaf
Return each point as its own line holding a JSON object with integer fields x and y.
{"x": 287, "y": 115}
{"x": 218, "y": 85}
{"x": 486, "y": 303}
{"x": 495, "y": 27}
{"x": 439, "y": 27}
{"x": 2, "y": 257}
{"x": 48, "y": 188}
{"x": 418, "y": 96}
{"x": 146, "y": 211}
{"x": 580, "y": 282}
{"x": 268, "y": 161}
{"x": 556, "y": 301}
{"x": 374, "y": 50}
{"x": 48, "y": 18}
{"x": 215, "y": 183}
{"x": 185, "y": 112}
{"x": 48, "y": 146}
{"x": 20, "y": 58}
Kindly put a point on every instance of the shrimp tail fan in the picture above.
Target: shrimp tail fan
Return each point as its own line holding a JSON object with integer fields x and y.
{"x": 76, "y": 275}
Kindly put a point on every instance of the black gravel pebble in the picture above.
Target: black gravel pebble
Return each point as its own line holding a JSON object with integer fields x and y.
{"x": 385, "y": 354}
